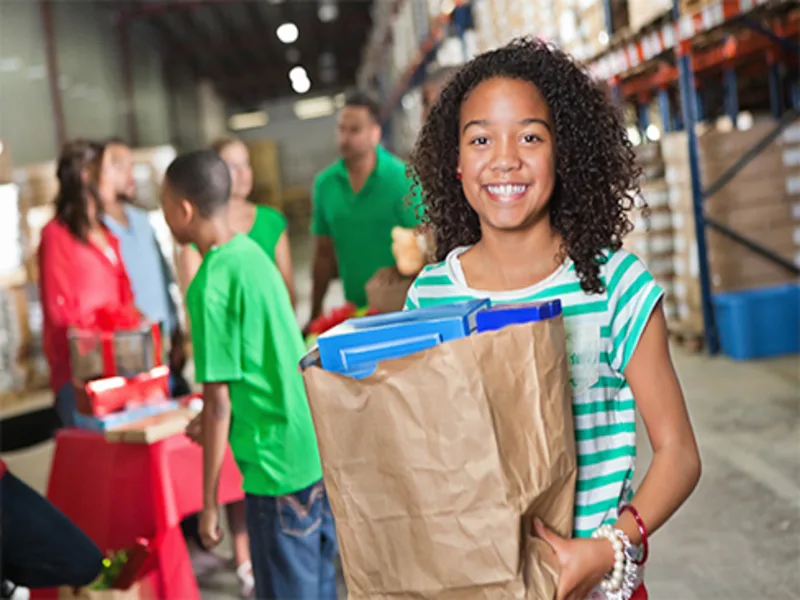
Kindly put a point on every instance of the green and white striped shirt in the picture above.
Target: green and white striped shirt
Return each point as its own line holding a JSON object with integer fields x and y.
{"x": 602, "y": 333}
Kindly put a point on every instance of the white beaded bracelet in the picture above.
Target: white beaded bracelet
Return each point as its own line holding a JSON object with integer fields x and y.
{"x": 623, "y": 580}
{"x": 613, "y": 582}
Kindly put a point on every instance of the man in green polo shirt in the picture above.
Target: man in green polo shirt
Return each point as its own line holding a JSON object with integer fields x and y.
{"x": 357, "y": 202}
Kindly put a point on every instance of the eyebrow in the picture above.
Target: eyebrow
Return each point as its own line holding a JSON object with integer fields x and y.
{"x": 484, "y": 123}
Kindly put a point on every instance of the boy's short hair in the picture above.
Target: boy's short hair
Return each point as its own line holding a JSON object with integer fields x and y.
{"x": 203, "y": 178}
{"x": 364, "y": 100}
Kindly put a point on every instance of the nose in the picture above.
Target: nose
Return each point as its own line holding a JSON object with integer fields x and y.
{"x": 506, "y": 155}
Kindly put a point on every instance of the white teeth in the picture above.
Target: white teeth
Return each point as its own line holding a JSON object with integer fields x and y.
{"x": 506, "y": 190}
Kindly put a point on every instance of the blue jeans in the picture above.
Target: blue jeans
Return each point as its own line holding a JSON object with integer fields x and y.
{"x": 293, "y": 545}
{"x": 42, "y": 548}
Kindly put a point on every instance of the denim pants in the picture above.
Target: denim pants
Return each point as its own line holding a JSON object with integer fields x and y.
{"x": 41, "y": 547}
{"x": 293, "y": 545}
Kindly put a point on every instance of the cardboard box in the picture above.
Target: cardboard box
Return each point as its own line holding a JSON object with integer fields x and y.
{"x": 644, "y": 12}
{"x": 6, "y": 173}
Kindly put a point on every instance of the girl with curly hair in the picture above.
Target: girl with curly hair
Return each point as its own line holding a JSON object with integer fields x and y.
{"x": 527, "y": 177}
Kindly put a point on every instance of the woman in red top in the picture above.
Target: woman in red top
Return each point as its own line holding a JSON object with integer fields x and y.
{"x": 80, "y": 265}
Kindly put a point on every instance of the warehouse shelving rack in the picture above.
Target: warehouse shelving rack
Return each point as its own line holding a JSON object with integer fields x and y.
{"x": 690, "y": 50}
{"x": 687, "y": 51}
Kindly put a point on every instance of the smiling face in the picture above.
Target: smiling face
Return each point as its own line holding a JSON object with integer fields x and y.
{"x": 507, "y": 153}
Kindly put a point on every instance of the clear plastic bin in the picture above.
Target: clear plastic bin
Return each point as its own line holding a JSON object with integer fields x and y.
{"x": 134, "y": 351}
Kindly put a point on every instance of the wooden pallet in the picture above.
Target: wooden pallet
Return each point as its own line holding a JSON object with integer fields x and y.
{"x": 690, "y": 7}
{"x": 689, "y": 339}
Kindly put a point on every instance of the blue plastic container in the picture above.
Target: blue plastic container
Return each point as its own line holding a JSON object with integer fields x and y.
{"x": 356, "y": 346}
{"x": 759, "y": 323}
{"x": 503, "y": 315}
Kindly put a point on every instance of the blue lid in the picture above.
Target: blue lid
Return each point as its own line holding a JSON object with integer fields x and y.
{"x": 359, "y": 344}
{"x": 502, "y": 315}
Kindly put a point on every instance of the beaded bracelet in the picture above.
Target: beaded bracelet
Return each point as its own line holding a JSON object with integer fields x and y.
{"x": 613, "y": 581}
{"x": 630, "y": 572}
{"x": 642, "y": 532}
{"x": 623, "y": 580}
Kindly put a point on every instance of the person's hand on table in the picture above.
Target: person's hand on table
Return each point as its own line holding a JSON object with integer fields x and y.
{"x": 584, "y": 563}
{"x": 194, "y": 430}
{"x": 210, "y": 533}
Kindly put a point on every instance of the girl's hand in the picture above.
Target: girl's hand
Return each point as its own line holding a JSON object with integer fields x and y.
{"x": 584, "y": 563}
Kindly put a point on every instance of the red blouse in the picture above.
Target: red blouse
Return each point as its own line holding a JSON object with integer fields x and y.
{"x": 75, "y": 280}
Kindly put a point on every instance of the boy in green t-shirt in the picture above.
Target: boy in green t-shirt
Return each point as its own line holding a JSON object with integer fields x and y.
{"x": 247, "y": 346}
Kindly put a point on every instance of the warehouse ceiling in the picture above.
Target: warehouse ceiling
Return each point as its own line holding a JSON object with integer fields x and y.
{"x": 241, "y": 47}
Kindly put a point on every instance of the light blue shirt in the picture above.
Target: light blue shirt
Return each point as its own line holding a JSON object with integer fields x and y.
{"x": 147, "y": 270}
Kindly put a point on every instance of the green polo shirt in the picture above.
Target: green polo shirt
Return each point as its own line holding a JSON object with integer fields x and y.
{"x": 360, "y": 224}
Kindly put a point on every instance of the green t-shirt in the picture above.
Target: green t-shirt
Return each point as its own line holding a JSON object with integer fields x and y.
{"x": 268, "y": 227}
{"x": 244, "y": 333}
{"x": 361, "y": 224}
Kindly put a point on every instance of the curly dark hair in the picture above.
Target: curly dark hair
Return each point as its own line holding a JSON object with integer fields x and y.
{"x": 596, "y": 173}
{"x": 74, "y": 194}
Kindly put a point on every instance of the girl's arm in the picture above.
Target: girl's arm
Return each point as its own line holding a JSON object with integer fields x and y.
{"x": 283, "y": 260}
{"x": 675, "y": 469}
{"x": 673, "y": 473}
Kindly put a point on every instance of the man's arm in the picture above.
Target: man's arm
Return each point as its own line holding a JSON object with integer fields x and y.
{"x": 323, "y": 273}
{"x": 324, "y": 265}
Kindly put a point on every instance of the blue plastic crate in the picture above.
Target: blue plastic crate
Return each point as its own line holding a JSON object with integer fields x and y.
{"x": 759, "y": 323}
{"x": 356, "y": 346}
{"x": 503, "y": 315}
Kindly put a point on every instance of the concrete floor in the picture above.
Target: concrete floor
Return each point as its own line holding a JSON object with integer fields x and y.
{"x": 738, "y": 537}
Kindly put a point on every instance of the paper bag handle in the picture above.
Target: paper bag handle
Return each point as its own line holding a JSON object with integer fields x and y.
{"x": 369, "y": 355}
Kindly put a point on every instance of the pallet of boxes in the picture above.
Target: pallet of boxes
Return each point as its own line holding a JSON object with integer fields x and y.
{"x": 761, "y": 203}
{"x": 23, "y": 214}
{"x": 652, "y": 238}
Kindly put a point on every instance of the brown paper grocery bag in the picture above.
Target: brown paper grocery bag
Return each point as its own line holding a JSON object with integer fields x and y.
{"x": 436, "y": 464}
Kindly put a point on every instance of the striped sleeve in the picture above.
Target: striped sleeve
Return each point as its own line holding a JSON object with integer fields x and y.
{"x": 412, "y": 300}
{"x": 633, "y": 294}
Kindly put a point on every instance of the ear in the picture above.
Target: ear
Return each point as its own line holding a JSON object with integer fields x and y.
{"x": 187, "y": 210}
{"x": 377, "y": 132}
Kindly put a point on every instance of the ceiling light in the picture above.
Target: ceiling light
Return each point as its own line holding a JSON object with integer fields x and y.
{"x": 301, "y": 86}
{"x": 297, "y": 73}
{"x": 287, "y": 33}
{"x": 327, "y": 12}
{"x": 314, "y": 108}
{"x": 249, "y": 120}
{"x": 653, "y": 133}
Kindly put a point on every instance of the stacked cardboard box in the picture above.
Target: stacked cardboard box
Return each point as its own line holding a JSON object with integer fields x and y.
{"x": 762, "y": 203}
{"x": 149, "y": 166}
{"x": 266, "y": 173}
{"x": 6, "y": 175}
{"x": 652, "y": 237}
{"x": 644, "y": 12}
{"x": 297, "y": 208}
{"x": 499, "y": 21}
{"x": 584, "y": 30}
